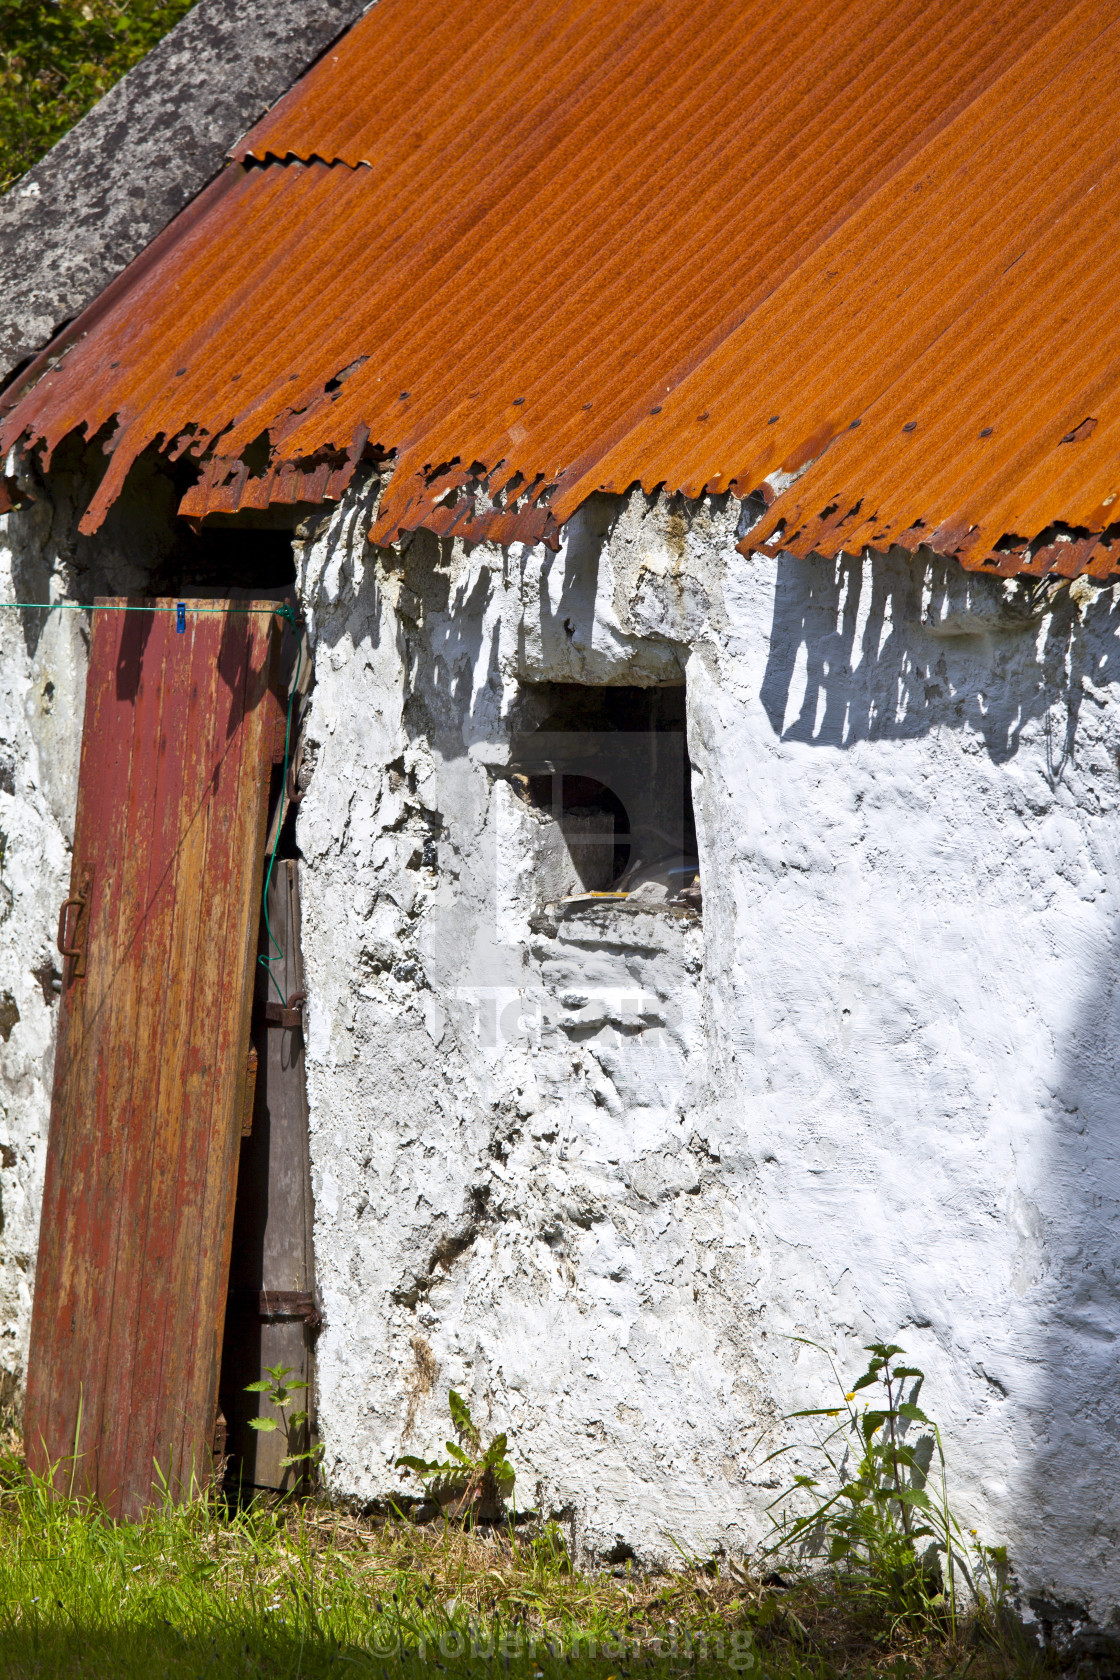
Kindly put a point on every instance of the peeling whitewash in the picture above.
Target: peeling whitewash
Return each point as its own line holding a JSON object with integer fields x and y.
{"x": 602, "y": 1169}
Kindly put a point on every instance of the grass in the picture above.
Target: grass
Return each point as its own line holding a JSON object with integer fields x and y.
{"x": 57, "y": 58}
{"x": 303, "y": 1590}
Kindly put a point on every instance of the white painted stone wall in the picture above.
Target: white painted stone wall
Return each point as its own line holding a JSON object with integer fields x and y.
{"x": 887, "y": 1099}
{"x": 601, "y": 1176}
{"x": 42, "y": 693}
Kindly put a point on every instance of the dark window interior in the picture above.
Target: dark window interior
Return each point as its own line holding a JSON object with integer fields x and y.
{"x": 611, "y": 766}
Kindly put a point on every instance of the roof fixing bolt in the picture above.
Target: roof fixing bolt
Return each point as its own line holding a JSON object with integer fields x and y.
{"x": 987, "y": 432}
{"x": 910, "y": 426}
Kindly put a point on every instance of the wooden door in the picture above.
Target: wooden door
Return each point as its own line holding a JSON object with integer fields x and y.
{"x": 272, "y": 1315}
{"x": 181, "y": 729}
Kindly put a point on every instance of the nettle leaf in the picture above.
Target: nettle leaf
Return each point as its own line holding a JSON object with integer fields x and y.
{"x": 908, "y": 1371}
{"x": 883, "y": 1350}
{"x": 265, "y": 1425}
{"x": 262, "y": 1387}
{"x": 869, "y": 1377}
{"x": 871, "y": 1421}
{"x": 912, "y": 1414}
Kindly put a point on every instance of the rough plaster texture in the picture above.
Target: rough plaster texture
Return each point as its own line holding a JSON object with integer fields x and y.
{"x": 120, "y": 175}
{"x": 41, "y": 704}
{"x": 873, "y": 1092}
{"x": 596, "y": 1171}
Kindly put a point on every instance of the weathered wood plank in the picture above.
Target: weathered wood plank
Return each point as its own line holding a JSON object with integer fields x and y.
{"x": 272, "y": 1278}
{"x": 145, "y": 1124}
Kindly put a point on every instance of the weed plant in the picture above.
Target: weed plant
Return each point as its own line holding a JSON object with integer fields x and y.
{"x": 882, "y": 1519}
{"x": 280, "y": 1392}
{"x": 474, "y": 1481}
{"x": 294, "y": 1590}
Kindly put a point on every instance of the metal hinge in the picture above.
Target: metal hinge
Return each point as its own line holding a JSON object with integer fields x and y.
{"x": 73, "y": 935}
{"x": 288, "y": 1014}
{"x": 291, "y": 1304}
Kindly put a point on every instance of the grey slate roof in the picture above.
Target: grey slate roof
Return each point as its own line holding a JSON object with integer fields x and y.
{"x": 119, "y": 176}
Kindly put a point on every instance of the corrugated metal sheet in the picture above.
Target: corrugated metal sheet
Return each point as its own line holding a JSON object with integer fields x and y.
{"x": 566, "y": 247}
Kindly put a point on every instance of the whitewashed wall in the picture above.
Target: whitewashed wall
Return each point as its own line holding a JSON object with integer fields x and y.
{"x": 42, "y": 696}
{"x": 873, "y": 1093}
{"x": 887, "y": 1102}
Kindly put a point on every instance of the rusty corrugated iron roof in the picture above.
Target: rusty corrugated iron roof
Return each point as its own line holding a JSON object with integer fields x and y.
{"x": 858, "y": 255}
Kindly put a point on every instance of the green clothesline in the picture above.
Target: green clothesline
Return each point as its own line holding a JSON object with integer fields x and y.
{"x": 282, "y": 610}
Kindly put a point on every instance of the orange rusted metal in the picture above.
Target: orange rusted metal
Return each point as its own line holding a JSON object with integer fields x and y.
{"x": 854, "y": 255}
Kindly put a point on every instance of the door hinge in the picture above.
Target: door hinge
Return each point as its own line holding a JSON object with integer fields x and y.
{"x": 291, "y": 1304}
{"x": 73, "y": 926}
{"x": 288, "y": 1014}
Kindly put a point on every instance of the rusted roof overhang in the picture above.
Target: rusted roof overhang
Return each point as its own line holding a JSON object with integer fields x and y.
{"x": 856, "y": 255}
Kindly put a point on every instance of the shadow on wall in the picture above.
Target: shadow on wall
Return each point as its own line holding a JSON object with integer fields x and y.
{"x": 438, "y": 699}
{"x": 895, "y": 645}
{"x": 1069, "y": 1242}
{"x": 890, "y": 648}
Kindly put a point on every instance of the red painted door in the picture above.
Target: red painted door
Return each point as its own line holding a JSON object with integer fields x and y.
{"x": 181, "y": 728}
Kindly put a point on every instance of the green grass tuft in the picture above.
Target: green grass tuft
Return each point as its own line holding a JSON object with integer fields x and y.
{"x": 293, "y": 1590}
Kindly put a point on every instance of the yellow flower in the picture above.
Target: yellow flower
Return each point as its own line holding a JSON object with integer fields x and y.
{"x": 849, "y": 1396}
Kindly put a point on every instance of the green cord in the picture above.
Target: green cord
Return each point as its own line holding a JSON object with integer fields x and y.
{"x": 281, "y": 611}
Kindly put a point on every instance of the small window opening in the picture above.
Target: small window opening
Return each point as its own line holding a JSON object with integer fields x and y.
{"x": 608, "y": 773}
